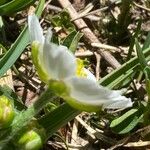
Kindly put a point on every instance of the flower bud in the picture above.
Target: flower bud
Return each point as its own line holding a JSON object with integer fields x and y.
{"x": 7, "y": 112}
{"x": 30, "y": 140}
{"x": 31, "y": 137}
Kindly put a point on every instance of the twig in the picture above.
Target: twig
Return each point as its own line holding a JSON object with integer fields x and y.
{"x": 104, "y": 46}
{"x": 94, "y": 134}
{"x": 90, "y": 13}
{"x": 47, "y": 3}
{"x": 87, "y": 127}
{"x": 61, "y": 144}
{"x": 87, "y": 9}
{"x": 138, "y": 144}
{"x": 93, "y": 17}
{"x": 87, "y": 13}
{"x": 74, "y": 135}
{"x": 120, "y": 143}
{"x": 55, "y": 8}
{"x": 125, "y": 141}
{"x": 84, "y": 54}
{"x": 140, "y": 6}
{"x": 88, "y": 33}
{"x": 98, "y": 58}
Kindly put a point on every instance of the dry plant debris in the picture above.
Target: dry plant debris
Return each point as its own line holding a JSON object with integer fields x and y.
{"x": 102, "y": 56}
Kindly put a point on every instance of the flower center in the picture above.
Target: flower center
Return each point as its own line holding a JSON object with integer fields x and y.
{"x": 80, "y": 68}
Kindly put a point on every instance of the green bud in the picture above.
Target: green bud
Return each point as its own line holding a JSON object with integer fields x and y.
{"x": 7, "y": 112}
{"x": 30, "y": 140}
{"x": 31, "y": 137}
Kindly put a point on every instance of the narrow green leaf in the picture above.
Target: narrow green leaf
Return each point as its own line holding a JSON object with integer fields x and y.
{"x": 74, "y": 43}
{"x": 14, "y": 52}
{"x": 147, "y": 72}
{"x": 147, "y": 80}
{"x": 123, "y": 117}
{"x": 127, "y": 121}
{"x": 71, "y": 41}
{"x": 140, "y": 55}
{"x": 14, "y": 6}
{"x": 147, "y": 42}
{"x": 119, "y": 75}
{"x": 4, "y": 1}
{"x": 58, "y": 118}
{"x": 137, "y": 31}
{"x": 17, "y": 48}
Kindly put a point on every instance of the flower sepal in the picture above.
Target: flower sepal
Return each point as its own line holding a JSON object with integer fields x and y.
{"x": 82, "y": 106}
{"x": 63, "y": 91}
{"x": 36, "y": 60}
{"x": 59, "y": 88}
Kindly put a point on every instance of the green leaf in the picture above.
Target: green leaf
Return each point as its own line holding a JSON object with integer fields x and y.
{"x": 63, "y": 20}
{"x": 147, "y": 42}
{"x": 57, "y": 118}
{"x": 147, "y": 72}
{"x": 74, "y": 44}
{"x": 137, "y": 31}
{"x": 127, "y": 121}
{"x": 140, "y": 55}
{"x": 147, "y": 80}
{"x": 71, "y": 41}
{"x": 129, "y": 68}
{"x": 122, "y": 118}
{"x": 14, "y": 6}
{"x": 18, "y": 47}
{"x": 4, "y": 1}
{"x": 8, "y": 92}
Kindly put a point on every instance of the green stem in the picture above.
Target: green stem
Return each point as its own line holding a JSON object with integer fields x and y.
{"x": 26, "y": 116}
{"x": 137, "y": 32}
{"x": 124, "y": 15}
{"x": 123, "y": 19}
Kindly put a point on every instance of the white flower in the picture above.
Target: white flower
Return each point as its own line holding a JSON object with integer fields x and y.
{"x": 56, "y": 63}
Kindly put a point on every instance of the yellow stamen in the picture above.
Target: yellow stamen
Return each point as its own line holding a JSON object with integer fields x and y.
{"x": 80, "y": 68}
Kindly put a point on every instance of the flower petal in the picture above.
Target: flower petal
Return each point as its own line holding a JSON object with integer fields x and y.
{"x": 48, "y": 36}
{"x": 59, "y": 62}
{"x": 37, "y": 58}
{"x": 89, "y": 75}
{"x": 88, "y": 92}
{"x": 35, "y": 30}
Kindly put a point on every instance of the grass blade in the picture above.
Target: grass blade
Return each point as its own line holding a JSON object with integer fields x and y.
{"x": 18, "y": 47}
{"x": 120, "y": 74}
{"x": 14, "y": 6}
{"x": 147, "y": 42}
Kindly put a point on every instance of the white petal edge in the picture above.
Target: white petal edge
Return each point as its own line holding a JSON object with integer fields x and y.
{"x": 35, "y": 29}
{"x": 59, "y": 61}
{"x": 48, "y": 36}
{"x": 89, "y": 75}
{"x": 88, "y": 92}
